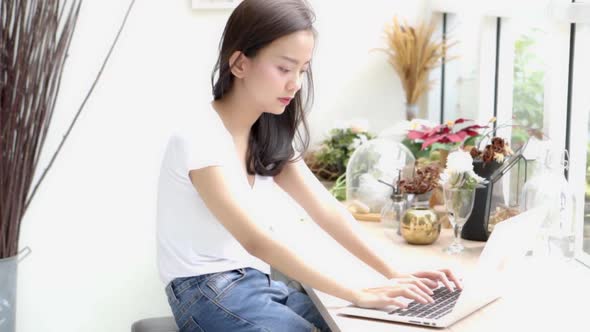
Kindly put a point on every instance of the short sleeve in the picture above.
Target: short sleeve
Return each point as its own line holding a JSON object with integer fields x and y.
{"x": 201, "y": 144}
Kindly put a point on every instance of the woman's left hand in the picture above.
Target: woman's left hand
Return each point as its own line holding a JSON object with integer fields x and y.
{"x": 430, "y": 279}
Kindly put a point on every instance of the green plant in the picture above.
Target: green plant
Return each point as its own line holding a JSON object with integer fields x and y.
{"x": 528, "y": 95}
{"x": 330, "y": 161}
{"x": 339, "y": 188}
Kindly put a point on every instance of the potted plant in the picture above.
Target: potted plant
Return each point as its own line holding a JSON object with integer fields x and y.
{"x": 421, "y": 185}
{"x": 443, "y": 137}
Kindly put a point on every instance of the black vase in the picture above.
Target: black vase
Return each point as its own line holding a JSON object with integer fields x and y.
{"x": 476, "y": 226}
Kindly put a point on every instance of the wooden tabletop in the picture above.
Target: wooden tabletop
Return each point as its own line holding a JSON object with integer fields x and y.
{"x": 541, "y": 295}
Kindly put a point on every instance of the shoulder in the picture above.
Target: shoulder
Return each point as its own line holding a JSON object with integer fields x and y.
{"x": 200, "y": 125}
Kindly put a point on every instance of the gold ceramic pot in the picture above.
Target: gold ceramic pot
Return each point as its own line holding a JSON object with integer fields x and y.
{"x": 420, "y": 225}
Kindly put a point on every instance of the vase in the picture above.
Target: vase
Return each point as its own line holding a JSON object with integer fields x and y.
{"x": 411, "y": 111}
{"x": 476, "y": 227}
{"x": 420, "y": 225}
{"x": 8, "y": 277}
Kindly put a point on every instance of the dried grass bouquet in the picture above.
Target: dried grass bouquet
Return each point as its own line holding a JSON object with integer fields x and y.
{"x": 413, "y": 52}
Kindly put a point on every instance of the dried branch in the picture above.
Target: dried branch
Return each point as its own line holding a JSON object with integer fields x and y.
{"x": 35, "y": 36}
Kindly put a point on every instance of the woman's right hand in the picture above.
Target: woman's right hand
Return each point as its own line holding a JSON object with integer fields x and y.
{"x": 381, "y": 297}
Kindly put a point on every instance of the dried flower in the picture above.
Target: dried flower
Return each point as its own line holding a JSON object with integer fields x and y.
{"x": 497, "y": 150}
{"x": 424, "y": 180}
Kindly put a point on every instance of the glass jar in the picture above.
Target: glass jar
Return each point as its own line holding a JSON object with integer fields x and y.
{"x": 548, "y": 187}
{"x": 392, "y": 212}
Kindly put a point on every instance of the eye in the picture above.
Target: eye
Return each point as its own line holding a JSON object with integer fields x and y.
{"x": 284, "y": 70}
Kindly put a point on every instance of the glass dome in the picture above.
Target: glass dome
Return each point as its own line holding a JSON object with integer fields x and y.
{"x": 378, "y": 159}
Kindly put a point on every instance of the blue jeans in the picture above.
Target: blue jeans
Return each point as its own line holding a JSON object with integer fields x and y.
{"x": 241, "y": 300}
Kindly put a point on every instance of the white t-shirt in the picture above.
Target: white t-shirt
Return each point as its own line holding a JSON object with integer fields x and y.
{"x": 191, "y": 241}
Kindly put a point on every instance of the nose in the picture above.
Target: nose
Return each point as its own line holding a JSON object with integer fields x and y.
{"x": 294, "y": 84}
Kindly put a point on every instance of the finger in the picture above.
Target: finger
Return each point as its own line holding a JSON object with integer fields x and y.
{"x": 445, "y": 281}
{"x": 396, "y": 302}
{"x": 432, "y": 276}
{"x": 452, "y": 277}
{"x": 422, "y": 293}
{"x": 410, "y": 294}
{"x": 422, "y": 286}
{"x": 418, "y": 282}
{"x": 430, "y": 283}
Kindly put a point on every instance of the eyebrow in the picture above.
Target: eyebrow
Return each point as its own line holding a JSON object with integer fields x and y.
{"x": 292, "y": 60}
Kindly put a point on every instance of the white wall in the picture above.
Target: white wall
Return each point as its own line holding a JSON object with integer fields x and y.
{"x": 91, "y": 226}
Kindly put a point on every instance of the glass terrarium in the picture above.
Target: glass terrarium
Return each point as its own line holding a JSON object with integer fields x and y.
{"x": 498, "y": 200}
{"x": 505, "y": 189}
{"x": 378, "y": 159}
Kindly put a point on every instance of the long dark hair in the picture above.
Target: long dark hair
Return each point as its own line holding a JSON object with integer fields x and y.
{"x": 253, "y": 25}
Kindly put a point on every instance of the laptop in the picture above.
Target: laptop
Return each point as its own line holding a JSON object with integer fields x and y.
{"x": 507, "y": 245}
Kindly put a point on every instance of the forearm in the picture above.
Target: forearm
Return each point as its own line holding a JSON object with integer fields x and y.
{"x": 339, "y": 225}
{"x": 286, "y": 261}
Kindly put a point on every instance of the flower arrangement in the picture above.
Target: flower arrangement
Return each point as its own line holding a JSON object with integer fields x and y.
{"x": 413, "y": 52}
{"x": 459, "y": 172}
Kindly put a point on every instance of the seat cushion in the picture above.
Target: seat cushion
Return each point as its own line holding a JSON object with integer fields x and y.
{"x": 158, "y": 324}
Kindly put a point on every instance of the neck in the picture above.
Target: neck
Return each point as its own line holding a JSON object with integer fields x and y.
{"x": 238, "y": 113}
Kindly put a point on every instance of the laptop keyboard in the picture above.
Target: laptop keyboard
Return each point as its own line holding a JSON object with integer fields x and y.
{"x": 444, "y": 301}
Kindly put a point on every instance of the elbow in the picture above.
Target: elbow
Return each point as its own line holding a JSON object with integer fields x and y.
{"x": 255, "y": 246}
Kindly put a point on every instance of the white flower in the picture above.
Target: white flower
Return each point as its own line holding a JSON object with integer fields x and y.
{"x": 459, "y": 172}
{"x": 459, "y": 162}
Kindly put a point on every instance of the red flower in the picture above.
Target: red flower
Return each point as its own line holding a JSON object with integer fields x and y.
{"x": 445, "y": 133}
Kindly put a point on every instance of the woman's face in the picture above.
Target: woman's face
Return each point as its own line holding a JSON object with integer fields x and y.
{"x": 275, "y": 74}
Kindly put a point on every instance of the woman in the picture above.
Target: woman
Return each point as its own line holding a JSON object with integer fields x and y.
{"x": 215, "y": 244}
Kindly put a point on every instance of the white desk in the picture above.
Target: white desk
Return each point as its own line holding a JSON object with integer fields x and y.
{"x": 563, "y": 304}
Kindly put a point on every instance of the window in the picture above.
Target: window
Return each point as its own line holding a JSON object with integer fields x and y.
{"x": 579, "y": 142}
{"x": 532, "y": 87}
{"x": 465, "y": 92}
{"x": 464, "y": 84}
{"x": 534, "y": 73}
{"x": 528, "y": 81}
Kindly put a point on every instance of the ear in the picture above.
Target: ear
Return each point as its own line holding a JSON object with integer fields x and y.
{"x": 238, "y": 64}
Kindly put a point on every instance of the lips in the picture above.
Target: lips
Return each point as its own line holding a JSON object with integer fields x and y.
{"x": 285, "y": 101}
